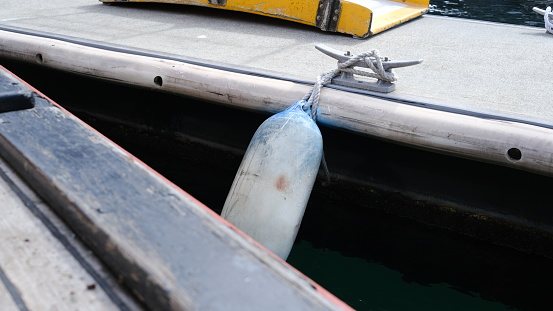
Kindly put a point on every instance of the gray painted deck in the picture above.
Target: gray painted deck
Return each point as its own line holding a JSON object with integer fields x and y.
{"x": 467, "y": 64}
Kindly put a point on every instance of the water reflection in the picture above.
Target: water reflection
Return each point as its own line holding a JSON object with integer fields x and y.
{"x": 518, "y": 12}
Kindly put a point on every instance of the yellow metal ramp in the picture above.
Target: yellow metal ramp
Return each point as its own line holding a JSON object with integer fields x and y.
{"x": 360, "y": 18}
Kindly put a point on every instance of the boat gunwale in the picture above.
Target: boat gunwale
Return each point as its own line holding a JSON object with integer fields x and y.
{"x": 89, "y": 210}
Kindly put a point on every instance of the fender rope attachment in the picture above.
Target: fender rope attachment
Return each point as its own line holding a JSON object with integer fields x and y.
{"x": 372, "y": 60}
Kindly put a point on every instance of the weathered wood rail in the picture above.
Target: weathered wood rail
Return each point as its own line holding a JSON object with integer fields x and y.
{"x": 169, "y": 249}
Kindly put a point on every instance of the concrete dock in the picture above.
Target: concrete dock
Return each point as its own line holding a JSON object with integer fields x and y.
{"x": 466, "y": 64}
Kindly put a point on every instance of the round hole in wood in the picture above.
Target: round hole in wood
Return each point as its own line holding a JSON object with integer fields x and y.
{"x": 158, "y": 81}
{"x": 514, "y": 154}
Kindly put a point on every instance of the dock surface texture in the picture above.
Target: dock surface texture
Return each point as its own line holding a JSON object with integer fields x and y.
{"x": 169, "y": 250}
{"x": 467, "y": 64}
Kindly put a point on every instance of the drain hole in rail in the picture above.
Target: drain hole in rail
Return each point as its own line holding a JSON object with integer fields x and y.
{"x": 158, "y": 81}
{"x": 514, "y": 154}
{"x": 38, "y": 58}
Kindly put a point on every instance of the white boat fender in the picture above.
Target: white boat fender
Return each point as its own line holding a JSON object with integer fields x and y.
{"x": 268, "y": 197}
{"x": 271, "y": 189}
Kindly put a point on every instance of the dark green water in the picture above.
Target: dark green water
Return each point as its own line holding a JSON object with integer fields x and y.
{"x": 374, "y": 261}
{"x": 517, "y": 12}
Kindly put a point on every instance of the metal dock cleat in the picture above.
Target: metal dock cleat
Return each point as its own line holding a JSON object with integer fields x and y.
{"x": 547, "y": 18}
{"x": 381, "y": 67}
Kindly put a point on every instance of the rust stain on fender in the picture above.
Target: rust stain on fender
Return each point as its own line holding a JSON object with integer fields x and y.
{"x": 281, "y": 183}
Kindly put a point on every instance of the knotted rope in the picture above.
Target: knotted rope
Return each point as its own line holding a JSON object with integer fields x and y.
{"x": 374, "y": 63}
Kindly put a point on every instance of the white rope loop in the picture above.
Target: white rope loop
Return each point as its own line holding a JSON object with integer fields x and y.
{"x": 374, "y": 63}
{"x": 313, "y": 96}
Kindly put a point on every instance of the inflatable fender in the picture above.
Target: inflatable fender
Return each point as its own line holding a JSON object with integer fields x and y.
{"x": 271, "y": 189}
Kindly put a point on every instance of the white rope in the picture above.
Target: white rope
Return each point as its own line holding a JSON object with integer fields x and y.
{"x": 374, "y": 63}
{"x": 376, "y": 66}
